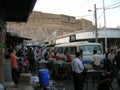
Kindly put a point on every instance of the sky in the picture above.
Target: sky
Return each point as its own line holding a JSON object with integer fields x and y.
{"x": 79, "y": 9}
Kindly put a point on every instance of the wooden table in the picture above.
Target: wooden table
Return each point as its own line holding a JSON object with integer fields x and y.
{"x": 63, "y": 67}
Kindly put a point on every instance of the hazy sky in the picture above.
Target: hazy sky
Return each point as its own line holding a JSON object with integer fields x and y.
{"x": 79, "y": 9}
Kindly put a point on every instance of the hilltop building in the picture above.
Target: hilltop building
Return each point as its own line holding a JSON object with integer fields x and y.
{"x": 41, "y": 26}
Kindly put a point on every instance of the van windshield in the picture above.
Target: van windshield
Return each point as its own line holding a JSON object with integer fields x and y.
{"x": 88, "y": 49}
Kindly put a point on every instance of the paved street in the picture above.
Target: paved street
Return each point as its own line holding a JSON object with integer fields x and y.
{"x": 69, "y": 85}
{"x": 65, "y": 83}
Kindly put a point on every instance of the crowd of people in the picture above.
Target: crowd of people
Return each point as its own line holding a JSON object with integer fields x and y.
{"x": 109, "y": 69}
{"x": 26, "y": 60}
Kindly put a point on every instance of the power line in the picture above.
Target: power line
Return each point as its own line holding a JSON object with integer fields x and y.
{"x": 100, "y": 15}
{"x": 112, "y": 4}
{"x": 113, "y": 7}
{"x": 84, "y": 15}
{"x": 108, "y": 7}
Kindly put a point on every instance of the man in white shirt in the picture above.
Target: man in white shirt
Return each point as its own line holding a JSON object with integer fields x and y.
{"x": 96, "y": 60}
{"x": 77, "y": 68}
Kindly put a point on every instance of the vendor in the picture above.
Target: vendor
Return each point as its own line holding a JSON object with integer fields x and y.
{"x": 95, "y": 60}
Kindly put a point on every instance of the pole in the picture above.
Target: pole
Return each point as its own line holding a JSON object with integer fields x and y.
{"x": 105, "y": 26}
{"x": 96, "y": 31}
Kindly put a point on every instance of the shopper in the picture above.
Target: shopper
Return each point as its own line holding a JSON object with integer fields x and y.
{"x": 14, "y": 66}
{"x": 30, "y": 56}
{"x": 78, "y": 68}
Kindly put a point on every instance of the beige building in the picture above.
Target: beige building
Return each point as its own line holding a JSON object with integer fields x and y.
{"x": 84, "y": 24}
{"x": 45, "y": 26}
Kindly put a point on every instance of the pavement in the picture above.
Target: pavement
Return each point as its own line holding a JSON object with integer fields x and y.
{"x": 64, "y": 84}
{"x": 89, "y": 85}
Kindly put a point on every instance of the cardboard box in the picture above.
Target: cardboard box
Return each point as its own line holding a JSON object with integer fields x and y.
{"x": 25, "y": 78}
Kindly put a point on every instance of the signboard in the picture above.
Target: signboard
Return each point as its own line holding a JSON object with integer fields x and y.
{"x": 72, "y": 38}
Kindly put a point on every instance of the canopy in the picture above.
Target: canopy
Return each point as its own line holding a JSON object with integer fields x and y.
{"x": 16, "y": 10}
{"x": 12, "y": 39}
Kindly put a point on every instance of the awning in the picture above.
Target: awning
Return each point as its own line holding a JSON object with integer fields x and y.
{"x": 16, "y": 10}
{"x": 35, "y": 45}
{"x": 12, "y": 39}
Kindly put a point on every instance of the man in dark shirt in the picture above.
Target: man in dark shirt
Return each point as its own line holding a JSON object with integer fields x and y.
{"x": 30, "y": 57}
{"x": 117, "y": 60}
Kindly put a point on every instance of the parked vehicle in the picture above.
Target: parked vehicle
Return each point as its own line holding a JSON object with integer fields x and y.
{"x": 87, "y": 47}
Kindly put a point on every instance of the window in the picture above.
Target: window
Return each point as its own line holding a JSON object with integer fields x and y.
{"x": 57, "y": 49}
{"x": 72, "y": 50}
{"x": 61, "y": 49}
{"x": 66, "y": 49}
{"x": 88, "y": 49}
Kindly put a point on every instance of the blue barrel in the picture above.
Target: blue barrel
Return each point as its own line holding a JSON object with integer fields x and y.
{"x": 43, "y": 75}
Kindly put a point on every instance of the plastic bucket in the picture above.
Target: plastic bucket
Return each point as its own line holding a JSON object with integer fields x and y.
{"x": 43, "y": 75}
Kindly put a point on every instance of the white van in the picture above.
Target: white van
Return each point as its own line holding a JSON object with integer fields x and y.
{"x": 74, "y": 47}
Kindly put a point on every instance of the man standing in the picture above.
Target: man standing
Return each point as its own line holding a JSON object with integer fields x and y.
{"x": 117, "y": 60}
{"x": 30, "y": 57}
{"x": 81, "y": 55}
{"x": 14, "y": 66}
{"x": 96, "y": 60}
{"x": 111, "y": 57}
{"x": 77, "y": 68}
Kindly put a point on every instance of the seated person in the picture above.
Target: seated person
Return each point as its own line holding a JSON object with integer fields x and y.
{"x": 69, "y": 59}
{"x": 56, "y": 57}
{"x": 50, "y": 55}
{"x": 105, "y": 81}
{"x": 63, "y": 57}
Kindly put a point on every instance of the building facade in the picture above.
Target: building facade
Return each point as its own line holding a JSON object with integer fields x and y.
{"x": 41, "y": 26}
{"x": 112, "y": 35}
{"x": 84, "y": 24}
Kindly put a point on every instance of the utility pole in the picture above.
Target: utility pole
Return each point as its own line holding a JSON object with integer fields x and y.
{"x": 96, "y": 31}
{"x": 105, "y": 26}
